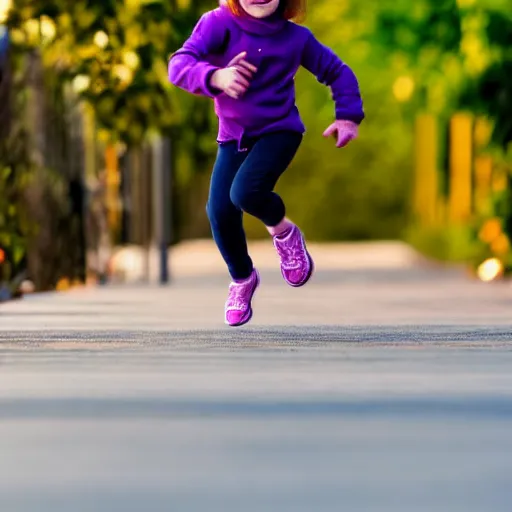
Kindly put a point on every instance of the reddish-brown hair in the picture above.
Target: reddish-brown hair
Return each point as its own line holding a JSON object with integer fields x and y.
{"x": 291, "y": 9}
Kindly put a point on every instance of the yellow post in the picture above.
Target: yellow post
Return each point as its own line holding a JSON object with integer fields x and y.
{"x": 483, "y": 165}
{"x": 483, "y": 181}
{"x": 89, "y": 142}
{"x": 426, "y": 187}
{"x": 461, "y": 156}
{"x": 499, "y": 179}
{"x": 113, "y": 180}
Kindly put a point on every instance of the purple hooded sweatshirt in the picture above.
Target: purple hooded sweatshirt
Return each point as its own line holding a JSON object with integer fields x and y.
{"x": 277, "y": 47}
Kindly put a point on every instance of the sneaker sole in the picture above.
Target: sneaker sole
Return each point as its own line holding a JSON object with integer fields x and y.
{"x": 246, "y": 319}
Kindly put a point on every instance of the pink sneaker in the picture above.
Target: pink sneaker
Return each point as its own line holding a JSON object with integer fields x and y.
{"x": 296, "y": 263}
{"x": 238, "y": 306}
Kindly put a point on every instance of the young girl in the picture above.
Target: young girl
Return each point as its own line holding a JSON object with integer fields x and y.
{"x": 245, "y": 55}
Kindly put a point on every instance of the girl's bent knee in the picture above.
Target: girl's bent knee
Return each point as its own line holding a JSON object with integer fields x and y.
{"x": 243, "y": 199}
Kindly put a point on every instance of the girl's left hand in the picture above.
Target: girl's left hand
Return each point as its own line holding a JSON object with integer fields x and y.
{"x": 343, "y": 131}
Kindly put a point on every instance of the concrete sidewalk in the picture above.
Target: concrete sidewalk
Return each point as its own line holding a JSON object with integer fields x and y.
{"x": 382, "y": 386}
{"x": 201, "y": 257}
{"x": 367, "y": 284}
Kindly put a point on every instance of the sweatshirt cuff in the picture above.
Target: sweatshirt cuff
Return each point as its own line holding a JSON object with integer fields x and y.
{"x": 350, "y": 115}
{"x": 357, "y": 120}
{"x": 209, "y": 89}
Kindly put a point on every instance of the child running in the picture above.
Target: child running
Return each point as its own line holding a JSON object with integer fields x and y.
{"x": 245, "y": 55}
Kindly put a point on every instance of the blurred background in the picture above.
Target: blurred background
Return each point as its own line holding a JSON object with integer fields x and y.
{"x": 99, "y": 152}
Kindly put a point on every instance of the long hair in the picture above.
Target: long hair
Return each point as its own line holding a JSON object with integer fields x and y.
{"x": 292, "y": 9}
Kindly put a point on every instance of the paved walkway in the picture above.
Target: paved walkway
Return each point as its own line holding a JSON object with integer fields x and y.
{"x": 382, "y": 386}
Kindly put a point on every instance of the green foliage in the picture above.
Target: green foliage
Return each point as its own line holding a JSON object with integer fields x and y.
{"x": 16, "y": 225}
{"x": 492, "y": 229}
{"x": 360, "y": 192}
{"x": 433, "y": 54}
{"x": 113, "y": 51}
{"x": 115, "y": 54}
{"x": 453, "y": 244}
{"x": 458, "y": 53}
{"x": 491, "y": 92}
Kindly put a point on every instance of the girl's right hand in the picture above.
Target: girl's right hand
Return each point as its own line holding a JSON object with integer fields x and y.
{"x": 234, "y": 79}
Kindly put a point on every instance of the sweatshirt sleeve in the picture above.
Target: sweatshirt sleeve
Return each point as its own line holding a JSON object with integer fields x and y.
{"x": 188, "y": 68}
{"x": 329, "y": 70}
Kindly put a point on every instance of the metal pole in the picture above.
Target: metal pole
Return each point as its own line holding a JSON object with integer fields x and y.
{"x": 162, "y": 204}
{"x": 145, "y": 209}
{"x": 166, "y": 210}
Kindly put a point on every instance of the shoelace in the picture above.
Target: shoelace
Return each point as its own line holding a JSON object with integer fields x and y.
{"x": 291, "y": 255}
{"x": 236, "y": 298}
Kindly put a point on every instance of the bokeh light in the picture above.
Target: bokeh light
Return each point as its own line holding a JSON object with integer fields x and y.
{"x": 403, "y": 88}
{"x": 5, "y": 6}
{"x": 101, "y": 39}
{"x": 490, "y": 270}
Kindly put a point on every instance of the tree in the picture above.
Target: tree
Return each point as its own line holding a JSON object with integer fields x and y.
{"x": 458, "y": 52}
{"x": 114, "y": 54}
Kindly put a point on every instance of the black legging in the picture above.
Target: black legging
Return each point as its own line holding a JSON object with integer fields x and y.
{"x": 243, "y": 181}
